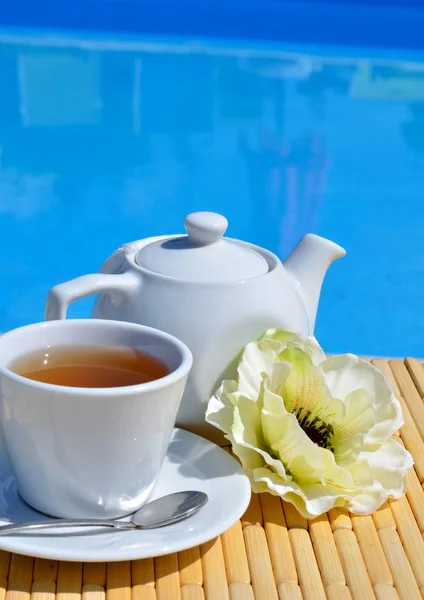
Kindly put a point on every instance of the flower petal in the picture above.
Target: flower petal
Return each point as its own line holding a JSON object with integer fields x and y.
{"x": 255, "y": 364}
{"x": 250, "y": 458}
{"x": 348, "y": 439}
{"x": 272, "y": 403}
{"x": 221, "y": 407}
{"x": 247, "y": 426}
{"x": 310, "y": 500}
{"x": 293, "y": 339}
{"x": 293, "y": 447}
{"x": 246, "y": 434}
{"x": 347, "y": 373}
{"x": 390, "y": 464}
{"x": 362, "y": 474}
{"x": 367, "y": 501}
{"x": 305, "y": 389}
{"x": 278, "y": 376}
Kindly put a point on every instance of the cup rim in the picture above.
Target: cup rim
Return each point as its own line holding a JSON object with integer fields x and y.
{"x": 177, "y": 374}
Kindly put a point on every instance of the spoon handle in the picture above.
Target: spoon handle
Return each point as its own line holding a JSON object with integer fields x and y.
{"x": 59, "y": 523}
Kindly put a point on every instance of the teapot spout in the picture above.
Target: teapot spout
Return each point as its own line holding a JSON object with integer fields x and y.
{"x": 308, "y": 263}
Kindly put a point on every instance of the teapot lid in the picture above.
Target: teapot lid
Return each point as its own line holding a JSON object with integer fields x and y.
{"x": 203, "y": 255}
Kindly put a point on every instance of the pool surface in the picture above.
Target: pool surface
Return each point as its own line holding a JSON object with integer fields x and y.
{"x": 111, "y": 137}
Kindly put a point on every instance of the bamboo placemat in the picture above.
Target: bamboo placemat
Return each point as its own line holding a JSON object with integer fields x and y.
{"x": 272, "y": 553}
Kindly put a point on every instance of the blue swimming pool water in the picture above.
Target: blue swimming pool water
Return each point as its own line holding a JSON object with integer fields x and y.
{"x": 106, "y": 137}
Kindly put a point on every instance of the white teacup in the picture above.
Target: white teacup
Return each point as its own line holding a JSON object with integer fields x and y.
{"x": 89, "y": 452}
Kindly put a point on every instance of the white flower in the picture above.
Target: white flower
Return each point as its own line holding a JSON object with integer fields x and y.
{"x": 314, "y": 430}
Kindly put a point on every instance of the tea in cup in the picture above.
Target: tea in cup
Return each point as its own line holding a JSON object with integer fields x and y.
{"x": 87, "y": 408}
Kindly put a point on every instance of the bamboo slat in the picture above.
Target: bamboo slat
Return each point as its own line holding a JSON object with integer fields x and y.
{"x": 338, "y": 591}
{"x": 412, "y": 438}
{"x": 69, "y": 581}
{"x": 3, "y": 588}
{"x": 20, "y": 578}
{"x": 143, "y": 592}
{"x": 415, "y": 495}
{"x": 416, "y": 372}
{"x": 190, "y": 565}
{"x": 372, "y": 552}
{"x": 214, "y": 574}
{"x": 339, "y": 519}
{"x": 409, "y": 392}
{"x": 403, "y": 575}
{"x": 241, "y": 591}
{"x": 307, "y": 568}
{"x": 45, "y": 570}
{"x": 93, "y": 591}
{"x": 235, "y": 556}
{"x": 143, "y": 572}
{"x": 385, "y": 592}
{"x": 383, "y": 517}
{"x": 263, "y": 581}
{"x": 354, "y": 565}
{"x": 253, "y": 514}
{"x": 118, "y": 581}
{"x": 4, "y": 564}
{"x": 278, "y": 540}
{"x": 167, "y": 578}
{"x": 43, "y": 590}
{"x": 192, "y": 591}
{"x": 410, "y": 535}
{"x": 294, "y": 519}
{"x": 326, "y": 551}
{"x": 272, "y": 553}
{"x": 289, "y": 591}
{"x": 94, "y": 573}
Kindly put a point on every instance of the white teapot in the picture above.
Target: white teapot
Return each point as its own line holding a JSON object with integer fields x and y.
{"x": 214, "y": 293}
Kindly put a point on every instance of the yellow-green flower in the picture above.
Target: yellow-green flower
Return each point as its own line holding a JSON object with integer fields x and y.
{"x": 314, "y": 430}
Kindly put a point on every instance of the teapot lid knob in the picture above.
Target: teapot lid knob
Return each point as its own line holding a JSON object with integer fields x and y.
{"x": 203, "y": 255}
{"x": 205, "y": 228}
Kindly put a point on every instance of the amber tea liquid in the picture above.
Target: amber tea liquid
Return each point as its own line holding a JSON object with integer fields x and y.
{"x": 90, "y": 366}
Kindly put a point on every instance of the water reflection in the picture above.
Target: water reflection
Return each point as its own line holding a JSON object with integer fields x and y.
{"x": 105, "y": 142}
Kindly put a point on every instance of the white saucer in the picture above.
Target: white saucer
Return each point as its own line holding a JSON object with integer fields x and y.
{"x": 191, "y": 463}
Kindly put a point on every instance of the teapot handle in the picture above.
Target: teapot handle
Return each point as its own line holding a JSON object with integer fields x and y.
{"x": 119, "y": 287}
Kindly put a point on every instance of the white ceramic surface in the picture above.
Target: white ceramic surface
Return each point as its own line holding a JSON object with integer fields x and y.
{"x": 87, "y": 452}
{"x": 191, "y": 463}
{"x": 204, "y": 303}
{"x": 202, "y": 255}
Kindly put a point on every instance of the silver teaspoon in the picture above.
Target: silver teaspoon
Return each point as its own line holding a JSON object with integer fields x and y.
{"x": 158, "y": 513}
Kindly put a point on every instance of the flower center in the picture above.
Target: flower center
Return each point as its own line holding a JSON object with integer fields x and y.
{"x": 319, "y": 431}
